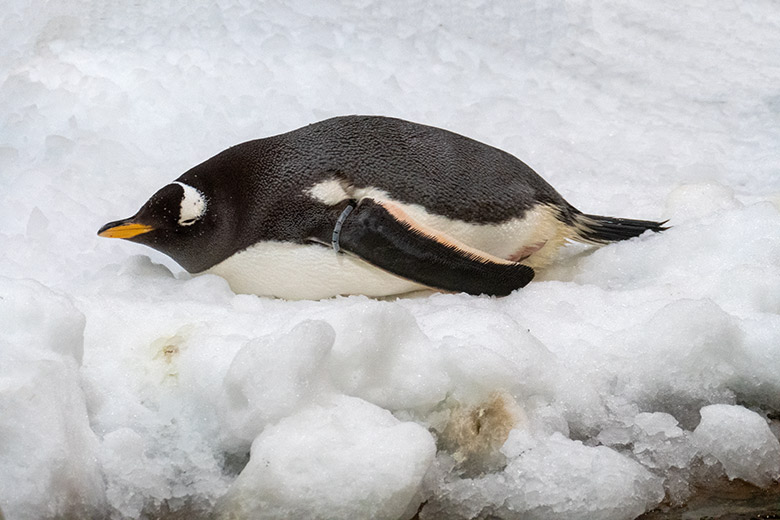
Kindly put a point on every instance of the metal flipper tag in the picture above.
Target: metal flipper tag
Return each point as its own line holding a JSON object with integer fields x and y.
{"x": 334, "y": 239}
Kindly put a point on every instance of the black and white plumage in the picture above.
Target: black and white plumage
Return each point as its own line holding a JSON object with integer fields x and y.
{"x": 430, "y": 208}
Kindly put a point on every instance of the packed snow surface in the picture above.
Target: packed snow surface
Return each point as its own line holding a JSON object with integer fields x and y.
{"x": 615, "y": 382}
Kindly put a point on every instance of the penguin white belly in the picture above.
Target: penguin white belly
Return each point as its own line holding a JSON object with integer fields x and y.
{"x": 301, "y": 271}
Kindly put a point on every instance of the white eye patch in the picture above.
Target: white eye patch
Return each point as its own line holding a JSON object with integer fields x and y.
{"x": 193, "y": 205}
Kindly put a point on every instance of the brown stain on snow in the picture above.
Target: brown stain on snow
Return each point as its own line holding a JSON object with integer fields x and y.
{"x": 474, "y": 434}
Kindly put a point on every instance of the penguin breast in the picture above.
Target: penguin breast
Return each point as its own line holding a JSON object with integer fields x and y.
{"x": 306, "y": 271}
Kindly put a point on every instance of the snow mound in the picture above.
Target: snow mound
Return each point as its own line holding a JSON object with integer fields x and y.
{"x": 343, "y": 459}
{"x": 741, "y": 441}
{"x": 47, "y": 448}
{"x": 589, "y": 482}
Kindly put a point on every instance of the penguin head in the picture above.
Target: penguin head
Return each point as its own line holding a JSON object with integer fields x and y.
{"x": 176, "y": 221}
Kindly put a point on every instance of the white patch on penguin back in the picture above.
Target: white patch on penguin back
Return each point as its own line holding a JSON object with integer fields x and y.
{"x": 193, "y": 205}
{"x": 329, "y": 192}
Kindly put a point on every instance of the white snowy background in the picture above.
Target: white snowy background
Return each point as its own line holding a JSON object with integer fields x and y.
{"x": 619, "y": 380}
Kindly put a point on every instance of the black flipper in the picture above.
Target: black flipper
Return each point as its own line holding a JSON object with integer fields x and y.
{"x": 382, "y": 234}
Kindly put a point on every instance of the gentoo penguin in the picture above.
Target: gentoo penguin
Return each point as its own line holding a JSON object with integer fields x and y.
{"x": 365, "y": 205}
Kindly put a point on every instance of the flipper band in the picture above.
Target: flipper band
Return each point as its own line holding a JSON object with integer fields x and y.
{"x": 334, "y": 240}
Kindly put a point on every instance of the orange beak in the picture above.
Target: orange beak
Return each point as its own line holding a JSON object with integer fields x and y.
{"x": 123, "y": 229}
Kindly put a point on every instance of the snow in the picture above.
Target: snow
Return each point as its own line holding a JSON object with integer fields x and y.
{"x": 589, "y": 482}
{"x": 741, "y": 441}
{"x": 48, "y": 448}
{"x": 621, "y": 378}
{"x": 346, "y": 459}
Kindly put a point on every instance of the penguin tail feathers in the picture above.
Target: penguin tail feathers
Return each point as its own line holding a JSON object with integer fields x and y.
{"x": 595, "y": 229}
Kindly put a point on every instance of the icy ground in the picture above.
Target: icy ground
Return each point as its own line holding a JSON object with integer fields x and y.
{"x": 615, "y": 382}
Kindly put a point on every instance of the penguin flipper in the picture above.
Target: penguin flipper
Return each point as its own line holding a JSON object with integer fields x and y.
{"x": 382, "y": 234}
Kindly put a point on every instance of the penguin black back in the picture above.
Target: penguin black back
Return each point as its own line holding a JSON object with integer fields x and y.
{"x": 447, "y": 173}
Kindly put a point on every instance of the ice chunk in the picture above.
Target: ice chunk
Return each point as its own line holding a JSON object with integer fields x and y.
{"x": 48, "y": 466}
{"x": 741, "y": 441}
{"x": 587, "y": 482}
{"x": 489, "y": 351}
{"x": 272, "y": 376}
{"x": 126, "y": 466}
{"x": 659, "y": 443}
{"x": 382, "y": 356}
{"x": 346, "y": 459}
{"x": 683, "y": 354}
{"x": 658, "y": 424}
{"x": 171, "y": 468}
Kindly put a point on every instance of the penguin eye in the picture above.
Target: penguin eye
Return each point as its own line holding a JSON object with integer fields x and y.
{"x": 187, "y": 222}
